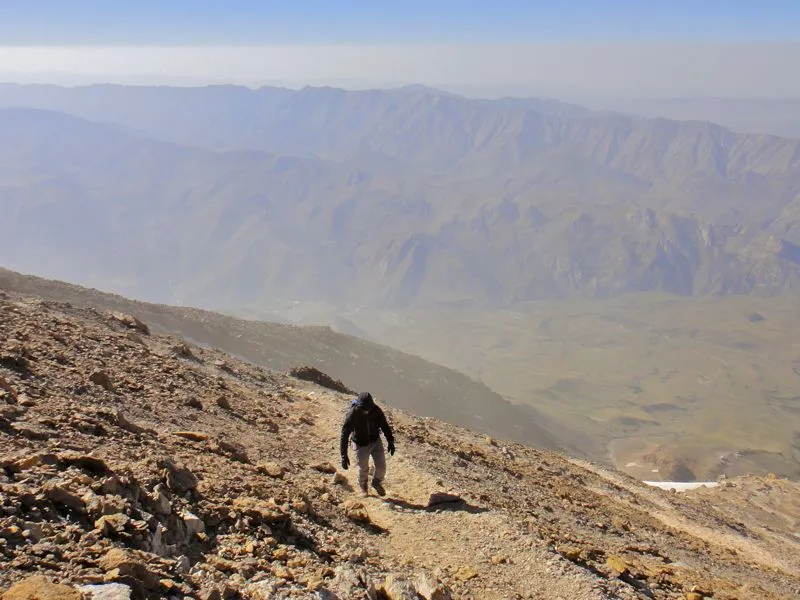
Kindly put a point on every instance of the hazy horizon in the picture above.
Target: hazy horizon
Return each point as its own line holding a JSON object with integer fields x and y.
{"x": 559, "y": 70}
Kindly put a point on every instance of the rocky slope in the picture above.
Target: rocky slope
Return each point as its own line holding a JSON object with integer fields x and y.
{"x": 137, "y": 465}
{"x": 403, "y": 380}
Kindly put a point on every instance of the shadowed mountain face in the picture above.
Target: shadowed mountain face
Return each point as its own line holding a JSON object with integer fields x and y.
{"x": 230, "y": 197}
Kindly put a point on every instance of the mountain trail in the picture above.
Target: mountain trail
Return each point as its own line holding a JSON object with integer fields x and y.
{"x": 468, "y": 542}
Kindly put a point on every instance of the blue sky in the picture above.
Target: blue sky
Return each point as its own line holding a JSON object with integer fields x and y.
{"x": 104, "y": 22}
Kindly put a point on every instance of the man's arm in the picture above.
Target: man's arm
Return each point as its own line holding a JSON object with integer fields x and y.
{"x": 387, "y": 430}
{"x": 347, "y": 429}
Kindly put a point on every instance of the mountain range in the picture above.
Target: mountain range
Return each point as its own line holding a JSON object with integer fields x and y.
{"x": 386, "y": 198}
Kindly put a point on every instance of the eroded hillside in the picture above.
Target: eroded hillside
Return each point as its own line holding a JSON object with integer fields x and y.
{"x": 136, "y": 460}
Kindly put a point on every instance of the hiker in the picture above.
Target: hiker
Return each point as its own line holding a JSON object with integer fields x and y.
{"x": 364, "y": 422}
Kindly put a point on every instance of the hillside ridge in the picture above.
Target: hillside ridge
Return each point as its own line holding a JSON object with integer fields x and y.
{"x": 140, "y": 464}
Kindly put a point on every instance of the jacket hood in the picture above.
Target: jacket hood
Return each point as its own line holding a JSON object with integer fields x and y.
{"x": 365, "y": 400}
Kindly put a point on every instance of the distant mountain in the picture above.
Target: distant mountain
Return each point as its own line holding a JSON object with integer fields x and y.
{"x": 776, "y": 116}
{"x": 386, "y": 198}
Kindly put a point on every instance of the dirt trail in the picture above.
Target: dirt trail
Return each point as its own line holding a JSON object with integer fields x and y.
{"x": 469, "y": 542}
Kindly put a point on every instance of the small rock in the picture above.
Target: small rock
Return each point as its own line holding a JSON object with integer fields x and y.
{"x": 617, "y": 564}
{"x": 261, "y": 590}
{"x": 182, "y": 564}
{"x": 194, "y": 403}
{"x": 193, "y": 436}
{"x": 124, "y": 423}
{"x": 90, "y": 464}
{"x": 282, "y": 572}
{"x": 223, "y": 403}
{"x": 108, "y": 591}
{"x": 340, "y": 479}
{"x": 39, "y": 587}
{"x": 59, "y": 495}
{"x": 183, "y": 350}
{"x": 24, "y": 400}
{"x": 499, "y": 559}
{"x": 193, "y": 524}
{"x": 272, "y": 469}
{"x": 160, "y": 500}
{"x": 301, "y": 505}
{"x": 178, "y": 478}
{"x": 118, "y": 563}
{"x": 131, "y": 321}
{"x": 395, "y": 588}
{"x": 465, "y": 574}
{"x": 112, "y": 524}
{"x": 356, "y": 511}
{"x": 693, "y": 596}
{"x": 443, "y": 498}
{"x": 431, "y": 589}
{"x": 325, "y": 467}
{"x": 102, "y": 379}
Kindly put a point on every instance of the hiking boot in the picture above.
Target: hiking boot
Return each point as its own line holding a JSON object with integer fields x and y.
{"x": 364, "y": 490}
{"x": 378, "y": 488}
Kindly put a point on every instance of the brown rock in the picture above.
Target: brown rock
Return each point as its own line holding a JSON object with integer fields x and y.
{"x": 617, "y": 564}
{"x": 112, "y": 524}
{"x": 119, "y": 564}
{"x": 131, "y": 322}
{"x": 234, "y": 450}
{"x": 194, "y": 403}
{"x": 179, "y": 478}
{"x": 284, "y": 573}
{"x": 431, "y": 589}
{"x": 325, "y": 467}
{"x": 223, "y": 403}
{"x": 443, "y": 498}
{"x": 90, "y": 464}
{"x": 272, "y": 469}
{"x": 183, "y": 350}
{"x": 102, "y": 379}
{"x": 60, "y": 495}
{"x": 194, "y": 436}
{"x": 395, "y": 588}
{"x": 39, "y": 587}
{"x": 356, "y": 511}
{"x": 465, "y": 574}
{"x": 124, "y": 423}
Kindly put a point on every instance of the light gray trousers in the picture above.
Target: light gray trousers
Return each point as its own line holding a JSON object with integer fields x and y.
{"x": 375, "y": 450}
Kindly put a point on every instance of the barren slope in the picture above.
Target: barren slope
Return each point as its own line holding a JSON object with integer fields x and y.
{"x": 175, "y": 470}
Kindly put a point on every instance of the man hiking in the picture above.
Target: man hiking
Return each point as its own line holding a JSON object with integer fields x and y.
{"x": 364, "y": 422}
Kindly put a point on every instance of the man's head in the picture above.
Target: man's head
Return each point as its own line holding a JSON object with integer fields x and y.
{"x": 364, "y": 401}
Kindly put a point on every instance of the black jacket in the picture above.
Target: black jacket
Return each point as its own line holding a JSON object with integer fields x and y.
{"x": 365, "y": 427}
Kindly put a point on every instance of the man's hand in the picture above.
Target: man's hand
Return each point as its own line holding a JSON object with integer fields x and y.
{"x": 391, "y": 448}
{"x": 345, "y": 462}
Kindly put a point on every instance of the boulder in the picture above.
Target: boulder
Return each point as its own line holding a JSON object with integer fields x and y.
{"x": 39, "y": 587}
{"x": 118, "y": 563}
{"x": 395, "y": 588}
{"x": 58, "y": 494}
{"x": 102, "y": 379}
{"x": 179, "y": 478}
{"x": 193, "y": 525}
{"x": 131, "y": 322}
{"x": 431, "y": 589}
{"x": 443, "y": 498}
{"x": 270, "y": 468}
{"x": 108, "y": 591}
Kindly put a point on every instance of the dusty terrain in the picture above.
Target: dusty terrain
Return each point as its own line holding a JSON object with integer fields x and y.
{"x": 136, "y": 464}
